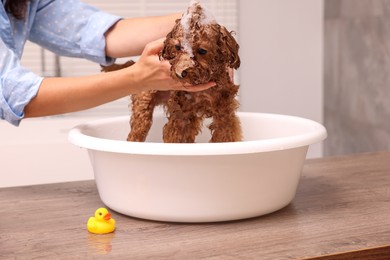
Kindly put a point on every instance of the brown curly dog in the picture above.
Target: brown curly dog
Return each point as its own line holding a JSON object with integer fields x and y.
{"x": 199, "y": 50}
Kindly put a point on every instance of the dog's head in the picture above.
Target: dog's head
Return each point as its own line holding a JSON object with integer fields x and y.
{"x": 198, "y": 48}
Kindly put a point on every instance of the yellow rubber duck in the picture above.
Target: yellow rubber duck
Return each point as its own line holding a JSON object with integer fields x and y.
{"x": 102, "y": 223}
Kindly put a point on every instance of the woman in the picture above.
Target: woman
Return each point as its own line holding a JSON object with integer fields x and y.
{"x": 73, "y": 28}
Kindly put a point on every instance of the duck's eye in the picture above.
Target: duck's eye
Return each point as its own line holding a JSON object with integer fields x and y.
{"x": 202, "y": 51}
{"x": 100, "y": 213}
{"x": 178, "y": 47}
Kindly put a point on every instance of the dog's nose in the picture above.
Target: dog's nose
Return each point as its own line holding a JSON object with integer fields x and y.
{"x": 184, "y": 74}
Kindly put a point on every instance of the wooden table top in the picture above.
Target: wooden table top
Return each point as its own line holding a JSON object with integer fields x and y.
{"x": 341, "y": 211}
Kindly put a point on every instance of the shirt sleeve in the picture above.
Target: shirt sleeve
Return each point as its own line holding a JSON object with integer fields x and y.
{"x": 72, "y": 28}
{"x": 17, "y": 86}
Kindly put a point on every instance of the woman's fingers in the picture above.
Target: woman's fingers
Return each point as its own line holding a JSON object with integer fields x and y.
{"x": 154, "y": 47}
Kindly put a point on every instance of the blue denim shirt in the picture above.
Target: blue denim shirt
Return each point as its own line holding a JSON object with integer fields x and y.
{"x": 66, "y": 27}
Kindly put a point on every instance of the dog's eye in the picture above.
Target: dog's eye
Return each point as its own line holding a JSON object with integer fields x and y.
{"x": 202, "y": 51}
{"x": 178, "y": 47}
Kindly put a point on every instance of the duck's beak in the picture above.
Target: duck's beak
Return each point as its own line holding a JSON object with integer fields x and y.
{"x": 107, "y": 216}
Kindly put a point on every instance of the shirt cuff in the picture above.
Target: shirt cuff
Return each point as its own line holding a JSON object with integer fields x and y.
{"x": 93, "y": 45}
{"x": 19, "y": 88}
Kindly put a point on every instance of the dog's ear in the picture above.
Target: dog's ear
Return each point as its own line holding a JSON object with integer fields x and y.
{"x": 228, "y": 43}
{"x": 115, "y": 66}
{"x": 165, "y": 53}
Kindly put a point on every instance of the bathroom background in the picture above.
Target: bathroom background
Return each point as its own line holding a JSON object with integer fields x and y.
{"x": 326, "y": 60}
{"x": 357, "y": 76}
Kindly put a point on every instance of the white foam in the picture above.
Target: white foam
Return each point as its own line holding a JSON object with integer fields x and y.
{"x": 206, "y": 18}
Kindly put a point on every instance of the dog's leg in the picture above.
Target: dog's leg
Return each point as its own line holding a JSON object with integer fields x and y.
{"x": 142, "y": 115}
{"x": 182, "y": 130}
{"x": 226, "y": 126}
{"x": 183, "y": 123}
{"x": 225, "y": 129}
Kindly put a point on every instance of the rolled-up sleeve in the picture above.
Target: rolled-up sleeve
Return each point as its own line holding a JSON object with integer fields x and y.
{"x": 17, "y": 86}
{"x": 72, "y": 28}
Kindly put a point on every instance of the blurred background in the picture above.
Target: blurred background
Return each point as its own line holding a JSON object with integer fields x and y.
{"x": 326, "y": 60}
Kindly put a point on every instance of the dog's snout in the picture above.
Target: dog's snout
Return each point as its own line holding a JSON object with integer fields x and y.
{"x": 183, "y": 66}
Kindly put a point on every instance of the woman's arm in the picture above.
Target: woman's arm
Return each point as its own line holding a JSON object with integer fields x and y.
{"x": 128, "y": 37}
{"x": 64, "y": 95}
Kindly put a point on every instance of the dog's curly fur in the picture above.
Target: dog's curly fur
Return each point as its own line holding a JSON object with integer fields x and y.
{"x": 213, "y": 51}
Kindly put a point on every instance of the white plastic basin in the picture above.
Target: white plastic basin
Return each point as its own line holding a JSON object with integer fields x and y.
{"x": 200, "y": 182}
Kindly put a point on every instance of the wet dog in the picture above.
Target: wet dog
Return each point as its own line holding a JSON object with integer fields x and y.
{"x": 199, "y": 50}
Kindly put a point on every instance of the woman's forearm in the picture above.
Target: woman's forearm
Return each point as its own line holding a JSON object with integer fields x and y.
{"x": 128, "y": 37}
{"x": 64, "y": 95}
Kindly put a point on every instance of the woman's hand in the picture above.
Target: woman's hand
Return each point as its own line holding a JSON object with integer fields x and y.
{"x": 153, "y": 74}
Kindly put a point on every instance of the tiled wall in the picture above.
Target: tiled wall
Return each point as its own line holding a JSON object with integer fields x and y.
{"x": 357, "y": 76}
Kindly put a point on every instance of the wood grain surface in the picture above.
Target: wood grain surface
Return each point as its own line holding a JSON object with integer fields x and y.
{"x": 342, "y": 207}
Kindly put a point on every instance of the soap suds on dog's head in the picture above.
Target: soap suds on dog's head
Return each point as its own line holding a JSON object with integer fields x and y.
{"x": 205, "y": 17}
